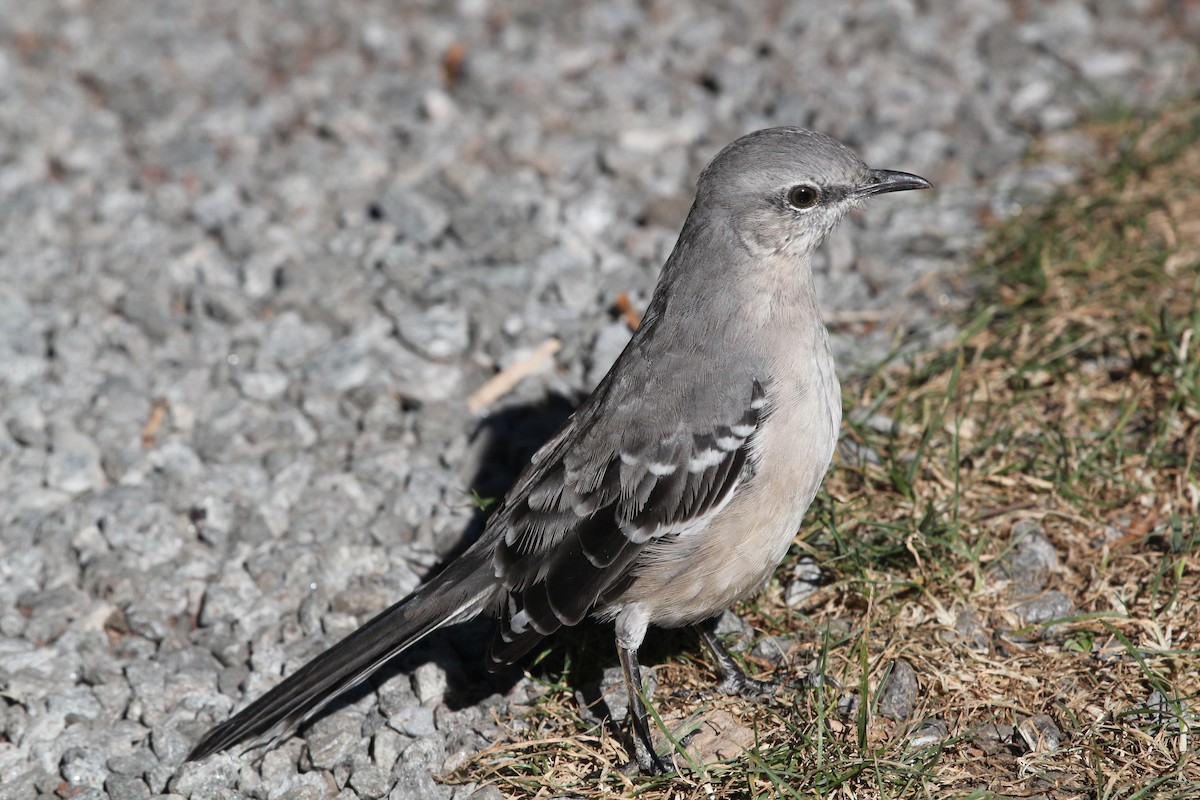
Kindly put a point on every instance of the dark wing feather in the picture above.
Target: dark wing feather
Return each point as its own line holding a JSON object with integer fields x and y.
{"x": 577, "y": 520}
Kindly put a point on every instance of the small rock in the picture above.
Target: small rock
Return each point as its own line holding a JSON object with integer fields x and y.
{"x": 369, "y": 780}
{"x": 414, "y": 216}
{"x": 899, "y": 693}
{"x": 74, "y": 463}
{"x": 429, "y": 683}
{"x": 395, "y": 693}
{"x": 462, "y": 746}
{"x": 290, "y": 341}
{"x": 203, "y": 779}
{"x": 263, "y": 386}
{"x": 149, "y": 306}
{"x": 135, "y": 764}
{"x": 719, "y": 737}
{"x": 486, "y": 792}
{"x": 385, "y": 748}
{"x": 968, "y": 629}
{"x": 609, "y": 699}
{"x": 427, "y": 754}
{"x": 1040, "y": 734}
{"x": 158, "y": 777}
{"x": 334, "y": 739}
{"x": 572, "y": 274}
{"x": 1103, "y": 66}
{"x": 1161, "y": 710}
{"x": 84, "y": 767}
{"x": 806, "y": 579}
{"x": 733, "y": 631}
{"x": 774, "y": 648}
{"x": 1029, "y": 561}
{"x": 169, "y": 745}
{"x": 413, "y": 783}
{"x": 305, "y": 786}
{"x": 992, "y": 737}
{"x": 1106, "y": 534}
{"x": 440, "y": 332}
{"x": 50, "y": 613}
{"x": 848, "y": 705}
{"x": 76, "y": 703}
{"x": 855, "y": 454}
{"x": 879, "y": 423}
{"x": 927, "y": 732}
{"x": 449, "y": 720}
{"x": 438, "y": 106}
{"x": 89, "y": 793}
{"x": 26, "y": 421}
{"x": 413, "y": 720}
{"x": 1046, "y": 606}
{"x": 123, "y": 787}
{"x": 280, "y": 764}
{"x": 218, "y": 207}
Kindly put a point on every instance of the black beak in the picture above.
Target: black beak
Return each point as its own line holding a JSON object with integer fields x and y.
{"x": 880, "y": 181}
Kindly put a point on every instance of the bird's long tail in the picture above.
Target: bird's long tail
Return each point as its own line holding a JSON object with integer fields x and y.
{"x": 456, "y": 595}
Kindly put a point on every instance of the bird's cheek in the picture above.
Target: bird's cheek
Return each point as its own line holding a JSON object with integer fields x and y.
{"x": 762, "y": 235}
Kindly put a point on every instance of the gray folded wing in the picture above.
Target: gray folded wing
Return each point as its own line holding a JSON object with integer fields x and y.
{"x": 597, "y": 494}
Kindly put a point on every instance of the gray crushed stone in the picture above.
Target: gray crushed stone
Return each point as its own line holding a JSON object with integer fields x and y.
{"x": 1040, "y": 734}
{"x": 1044, "y": 607}
{"x": 1023, "y": 573}
{"x": 608, "y": 698}
{"x": 994, "y": 737}
{"x": 805, "y": 581}
{"x": 255, "y": 258}
{"x": 927, "y": 732}
{"x": 899, "y": 693}
{"x": 1029, "y": 561}
{"x": 969, "y": 629}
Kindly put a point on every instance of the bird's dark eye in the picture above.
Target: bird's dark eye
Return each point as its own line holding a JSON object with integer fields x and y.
{"x": 803, "y": 196}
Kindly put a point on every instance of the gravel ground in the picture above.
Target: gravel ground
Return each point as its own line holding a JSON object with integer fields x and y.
{"x": 255, "y": 256}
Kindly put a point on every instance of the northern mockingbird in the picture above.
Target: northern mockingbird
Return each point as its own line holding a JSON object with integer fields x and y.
{"x": 677, "y": 487}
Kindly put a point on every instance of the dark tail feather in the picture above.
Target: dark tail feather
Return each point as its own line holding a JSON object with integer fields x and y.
{"x": 458, "y": 594}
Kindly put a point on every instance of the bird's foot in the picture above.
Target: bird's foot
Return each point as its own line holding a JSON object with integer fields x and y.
{"x": 646, "y": 763}
{"x": 812, "y": 679}
{"x": 738, "y": 683}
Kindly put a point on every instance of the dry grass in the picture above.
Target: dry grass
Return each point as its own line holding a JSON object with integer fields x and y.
{"x": 1071, "y": 402}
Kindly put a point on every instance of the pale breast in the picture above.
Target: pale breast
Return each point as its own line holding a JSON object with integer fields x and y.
{"x": 690, "y": 578}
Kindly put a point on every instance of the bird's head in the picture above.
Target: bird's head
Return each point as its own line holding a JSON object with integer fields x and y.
{"x": 783, "y": 189}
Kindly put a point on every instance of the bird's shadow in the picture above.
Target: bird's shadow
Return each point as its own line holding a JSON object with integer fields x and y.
{"x": 505, "y": 441}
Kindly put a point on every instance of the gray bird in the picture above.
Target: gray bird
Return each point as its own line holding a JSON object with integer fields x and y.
{"x": 677, "y": 487}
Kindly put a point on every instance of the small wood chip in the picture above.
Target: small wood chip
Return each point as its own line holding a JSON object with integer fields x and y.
{"x": 506, "y": 379}
{"x": 625, "y": 308}
{"x": 158, "y": 412}
{"x": 452, "y": 62}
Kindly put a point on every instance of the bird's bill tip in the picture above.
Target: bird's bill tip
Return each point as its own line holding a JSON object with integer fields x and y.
{"x": 880, "y": 181}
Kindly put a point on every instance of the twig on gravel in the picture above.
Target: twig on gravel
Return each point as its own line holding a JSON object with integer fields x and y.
{"x": 158, "y": 412}
{"x": 506, "y": 379}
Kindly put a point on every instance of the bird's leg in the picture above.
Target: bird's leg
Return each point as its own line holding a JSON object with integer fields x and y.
{"x": 643, "y": 748}
{"x": 733, "y": 679}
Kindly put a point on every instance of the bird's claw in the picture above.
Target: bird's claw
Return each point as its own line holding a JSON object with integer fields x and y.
{"x": 737, "y": 683}
{"x": 811, "y": 679}
{"x": 651, "y": 765}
